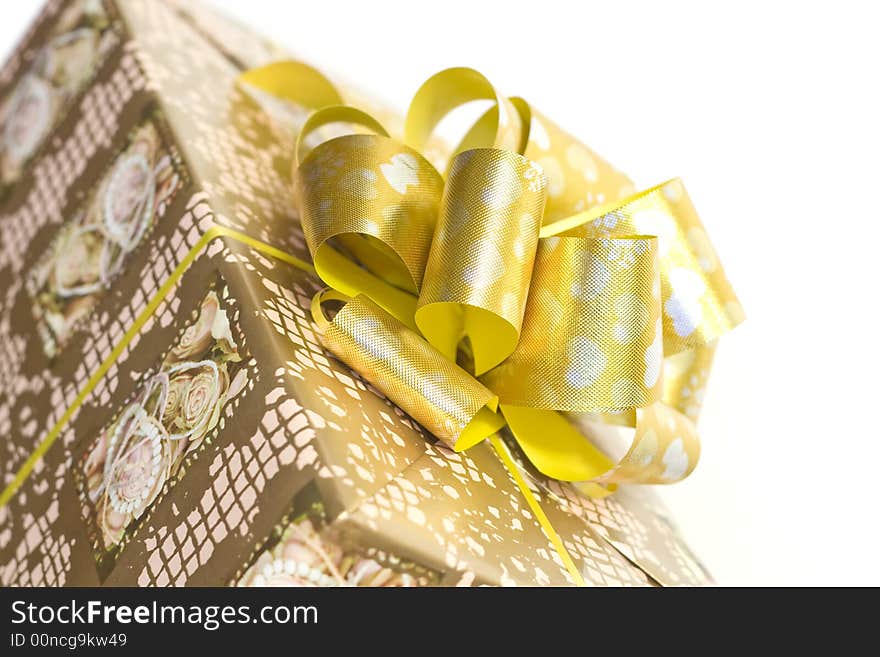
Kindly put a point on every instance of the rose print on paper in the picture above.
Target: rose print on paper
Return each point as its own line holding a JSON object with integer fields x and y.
{"x": 176, "y": 408}
{"x": 59, "y": 71}
{"x": 92, "y": 247}
{"x": 304, "y": 557}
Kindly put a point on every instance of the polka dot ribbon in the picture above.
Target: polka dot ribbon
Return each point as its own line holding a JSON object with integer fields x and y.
{"x": 515, "y": 280}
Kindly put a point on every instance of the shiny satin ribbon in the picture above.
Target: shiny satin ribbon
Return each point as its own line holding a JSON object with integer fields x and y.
{"x": 525, "y": 285}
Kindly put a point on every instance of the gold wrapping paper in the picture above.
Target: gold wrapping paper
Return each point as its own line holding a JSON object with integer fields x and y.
{"x": 192, "y": 504}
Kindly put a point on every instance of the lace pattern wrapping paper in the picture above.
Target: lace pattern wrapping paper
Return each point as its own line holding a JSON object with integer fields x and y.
{"x": 294, "y": 469}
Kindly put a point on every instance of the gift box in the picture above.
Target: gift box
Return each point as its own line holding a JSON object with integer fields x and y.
{"x": 169, "y": 410}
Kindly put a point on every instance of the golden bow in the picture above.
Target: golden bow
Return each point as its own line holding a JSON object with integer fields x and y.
{"x": 526, "y": 285}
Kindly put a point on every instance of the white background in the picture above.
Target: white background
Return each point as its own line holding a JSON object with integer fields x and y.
{"x": 770, "y": 112}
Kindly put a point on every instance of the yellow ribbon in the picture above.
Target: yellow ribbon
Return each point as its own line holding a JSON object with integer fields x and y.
{"x": 527, "y": 279}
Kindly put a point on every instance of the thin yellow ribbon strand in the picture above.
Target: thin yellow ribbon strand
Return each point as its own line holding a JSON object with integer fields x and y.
{"x": 535, "y": 506}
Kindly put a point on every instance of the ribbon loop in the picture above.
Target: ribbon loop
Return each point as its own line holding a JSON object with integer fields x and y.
{"x": 685, "y": 375}
{"x": 368, "y": 207}
{"x": 293, "y": 81}
{"x": 478, "y": 272}
{"x": 499, "y": 127}
{"x": 699, "y": 304}
{"x": 591, "y": 339}
{"x": 328, "y": 115}
{"x": 577, "y": 178}
{"x": 440, "y": 395}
